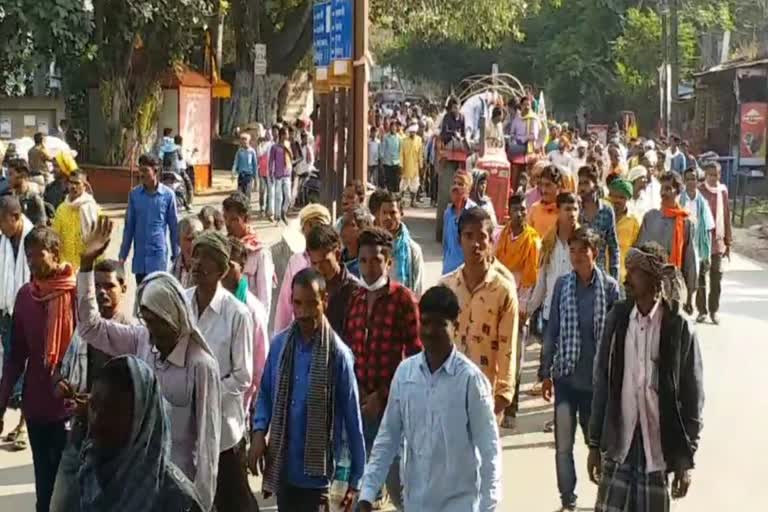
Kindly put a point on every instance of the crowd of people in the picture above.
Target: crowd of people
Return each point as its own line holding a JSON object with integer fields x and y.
{"x": 366, "y": 379}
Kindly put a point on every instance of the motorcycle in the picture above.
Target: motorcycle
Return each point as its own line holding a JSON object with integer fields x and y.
{"x": 308, "y": 186}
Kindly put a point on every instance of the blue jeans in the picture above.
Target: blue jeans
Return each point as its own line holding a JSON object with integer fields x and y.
{"x": 264, "y": 187}
{"x": 569, "y": 402}
{"x": 282, "y": 196}
{"x": 394, "y": 487}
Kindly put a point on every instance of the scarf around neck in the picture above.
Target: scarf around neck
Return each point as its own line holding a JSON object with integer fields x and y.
{"x": 519, "y": 255}
{"x": 241, "y": 292}
{"x": 569, "y": 342}
{"x": 401, "y": 251}
{"x": 718, "y": 191}
{"x": 678, "y": 234}
{"x": 89, "y": 212}
{"x": 318, "y": 447}
{"x": 57, "y": 294}
{"x": 14, "y": 271}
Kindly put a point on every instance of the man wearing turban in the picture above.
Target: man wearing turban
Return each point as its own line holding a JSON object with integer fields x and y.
{"x": 627, "y": 224}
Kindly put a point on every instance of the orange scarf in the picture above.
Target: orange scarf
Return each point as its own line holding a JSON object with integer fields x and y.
{"x": 56, "y": 293}
{"x": 521, "y": 255}
{"x": 678, "y": 235}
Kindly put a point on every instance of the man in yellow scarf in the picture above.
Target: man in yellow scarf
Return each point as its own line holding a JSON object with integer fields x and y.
{"x": 518, "y": 249}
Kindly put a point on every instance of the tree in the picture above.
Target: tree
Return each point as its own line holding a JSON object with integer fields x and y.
{"x": 137, "y": 41}
{"x": 34, "y": 34}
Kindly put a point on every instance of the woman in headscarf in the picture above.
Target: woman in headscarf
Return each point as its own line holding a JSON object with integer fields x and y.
{"x": 309, "y": 217}
{"x": 126, "y": 456}
{"x": 75, "y": 218}
{"x": 478, "y": 194}
{"x": 170, "y": 343}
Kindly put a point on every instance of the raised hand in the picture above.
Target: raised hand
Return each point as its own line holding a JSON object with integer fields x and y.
{"x": 96, "y": 243}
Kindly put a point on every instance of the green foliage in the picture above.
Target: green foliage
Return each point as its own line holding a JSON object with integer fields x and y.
{"x": 34, "y": 33}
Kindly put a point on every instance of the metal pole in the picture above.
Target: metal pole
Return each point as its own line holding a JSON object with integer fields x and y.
{"x": 359, "y": 117}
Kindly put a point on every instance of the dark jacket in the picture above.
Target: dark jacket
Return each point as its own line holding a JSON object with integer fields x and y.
{"x": 681, "y": 390}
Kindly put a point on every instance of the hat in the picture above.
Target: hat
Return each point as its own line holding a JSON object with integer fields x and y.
{"x": 413, "y": 128}
{"x": 582, "y": 144}
{"x": 638, "y": 171}
{"x": 314, "y": 211}
{"x": 649, "y": 145}
{"x": 623, "y": 186}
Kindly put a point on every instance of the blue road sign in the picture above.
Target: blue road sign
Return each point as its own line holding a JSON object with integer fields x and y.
{"x": 342, "y": 31}
{"x": 322, "y": 27}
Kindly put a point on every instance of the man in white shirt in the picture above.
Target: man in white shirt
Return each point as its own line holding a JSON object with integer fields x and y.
{"x": 561, "y": 157}
{"x": 374, "y": 157}
{"x": 441, "y": 404}
{"x": 648, "y": 392}
{"x": 227, "y": 327}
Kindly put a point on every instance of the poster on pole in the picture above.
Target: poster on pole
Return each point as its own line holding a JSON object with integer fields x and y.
{"x": 321, "y": 42}
{"x": 259, "y": 59}
{"x": 6, "y": 127}
{"x": 752, "y": 133}
{"x": 341, "y": 38}
{"x": 601, "y": 130}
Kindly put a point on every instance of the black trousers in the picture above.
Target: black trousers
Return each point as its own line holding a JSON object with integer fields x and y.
{"x": 139, "y": 278}
{"x": 47, "y": 441}
{"x": 232, "y": 491}
{"x": 392, "y": 177}
{"x": 296, "y": 499}
{"x": 711, "y": 271}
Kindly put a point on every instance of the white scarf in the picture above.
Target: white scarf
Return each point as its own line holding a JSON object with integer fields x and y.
{"x": 378, "y": 285}
{"x": 14, "y": 272}
{"x": 89, "y": 212}
{"x": 720, "y": 207}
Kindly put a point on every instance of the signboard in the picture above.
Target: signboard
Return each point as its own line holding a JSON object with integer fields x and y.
{"x": 342, "y": 30}
{"x": 601, "y": 130}
{"x": 752, "y": 133}
{"x": 195, "y": 122}
{"x": 6, "y": 128}
{"x": 42, "y": 126}
{"x": 259, "y": 59}
{"x": 321, "y": 36}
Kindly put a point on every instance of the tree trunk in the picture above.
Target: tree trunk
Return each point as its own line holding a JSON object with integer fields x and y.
{"x": 254, "y": 99}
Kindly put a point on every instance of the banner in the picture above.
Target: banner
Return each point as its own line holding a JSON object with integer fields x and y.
{"x": 752, "y": 133}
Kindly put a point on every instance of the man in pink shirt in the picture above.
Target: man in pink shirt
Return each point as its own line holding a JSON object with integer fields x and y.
{"x": 237, "y": 283}
{"x": 309, "y": 217}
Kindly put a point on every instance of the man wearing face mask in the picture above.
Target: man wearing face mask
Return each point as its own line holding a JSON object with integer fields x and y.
{"x": 382, "y": 328}
{"x": 170, "y": 343}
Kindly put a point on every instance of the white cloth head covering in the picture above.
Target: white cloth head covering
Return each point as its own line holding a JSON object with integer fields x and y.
{"x": 413, "y": 128}
{"x": 638, "y": 171}
{"x": 649, "y": 145}
{"x": 162, "y": 294}
{"x": 652, "y": 157}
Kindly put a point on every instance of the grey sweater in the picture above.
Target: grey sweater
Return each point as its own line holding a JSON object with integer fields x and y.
{"x": 657, "y": 228}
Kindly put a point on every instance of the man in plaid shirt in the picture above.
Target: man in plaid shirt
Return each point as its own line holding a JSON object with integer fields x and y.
{"x": 382, "y": 328}
{"x": 600, "y": 217}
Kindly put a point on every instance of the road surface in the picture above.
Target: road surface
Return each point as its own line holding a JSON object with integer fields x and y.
{"x": 731, "y": 463}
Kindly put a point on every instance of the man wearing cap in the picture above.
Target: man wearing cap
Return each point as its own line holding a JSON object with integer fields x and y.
{"x": 627, "y": 224}
{"x": 411, "y": 158}
{"x": 226, "y": 325}
{"x": 151, "y": 215}
{"x": 579, "y": 154}
{"x": 309, "y": 217}
{"x": 641, "y": 200}
{"x": 648, "y": 392}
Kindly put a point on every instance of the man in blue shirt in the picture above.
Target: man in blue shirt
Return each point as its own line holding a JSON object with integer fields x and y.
{"x": 390, "y": 157}
{"x": 453, "y": 256}
{"x": 442, "y": 405}
{"x": 151, "y": 214}
{"x": 245, "y": 166}
{"x": 580, "y": 303}
{"x": 307, "y": 401}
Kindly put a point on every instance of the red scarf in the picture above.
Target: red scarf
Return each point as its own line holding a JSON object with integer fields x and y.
{"x": 251, "y": 241}
{"x": 56, "y": 293}
{"x": 678, "y": 235}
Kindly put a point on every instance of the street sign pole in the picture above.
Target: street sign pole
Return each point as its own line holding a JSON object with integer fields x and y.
{"x": 359, "y": 116}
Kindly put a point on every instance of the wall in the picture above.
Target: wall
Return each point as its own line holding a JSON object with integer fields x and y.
{"x": 169, "y": 114}
{"x": 45, "y": 112}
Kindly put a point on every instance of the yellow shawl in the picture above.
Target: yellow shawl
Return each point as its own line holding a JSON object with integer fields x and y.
{"x": 521, "y": 255}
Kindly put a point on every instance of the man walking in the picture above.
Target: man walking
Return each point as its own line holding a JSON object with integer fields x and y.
{"x": 39, "y": 158}
{"x": 308, "y": 401}
{"x": 716, "y": 195}
{"x": 543, "y": 214}
{"x": 245, "y": 166}
{"x": 259, "y": 267}
{"x": 390, "y": 157}
{"x": 671, "y": 226}
{"x": 453, "y": 256}
{"x": 324, "y": 248}
{"x": 150, "y": 217}
{"x": 439, "y": 390}
{"x": 412, "y": 160}
{"x": 280, "y": 166}
{"x": 648, "y": 392}
{"x": 31, "y": 201}
{"x": 382, "y": 328}
{"x": 488, "y": 321}
{"x": 226, "y": 326}
{"x": 580, "y": 303}
{"x": 407, "y": 266}
{"x": 599, "y": 216}
{"x": 170, "y": 343}
{"x": 43, "y": 323}
{"x": 627, "y": 224}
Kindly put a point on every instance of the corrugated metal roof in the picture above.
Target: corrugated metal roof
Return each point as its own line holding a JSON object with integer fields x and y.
{"x": 727, "y": 66}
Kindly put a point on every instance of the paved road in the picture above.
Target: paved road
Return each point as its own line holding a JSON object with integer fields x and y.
{"x": 732, "y": 459}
